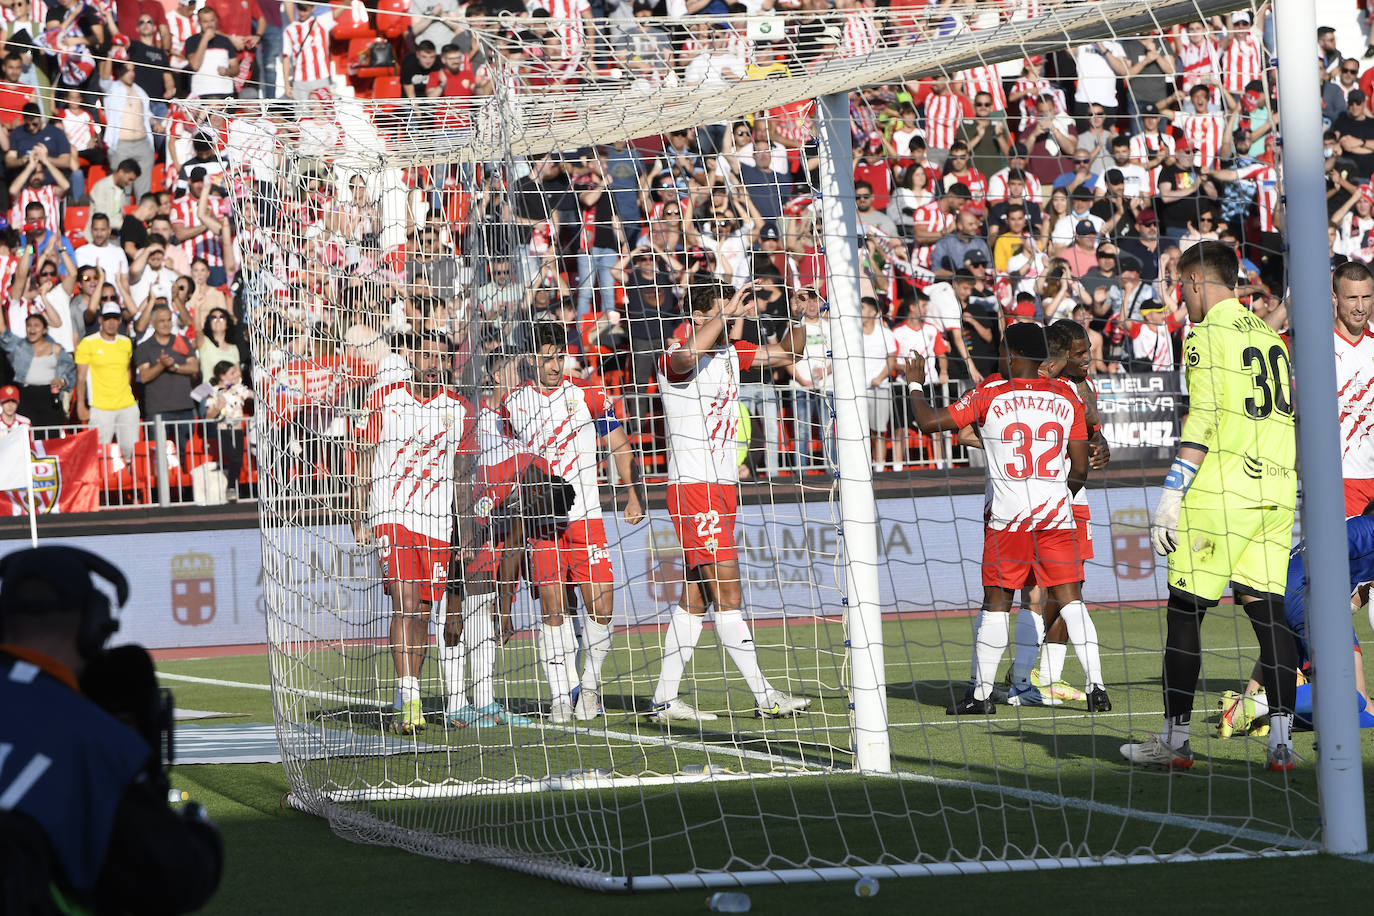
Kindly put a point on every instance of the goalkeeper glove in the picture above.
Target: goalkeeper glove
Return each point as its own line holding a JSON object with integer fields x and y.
{"x": 1164, "y": 523}
{"x": 545, "y": 500}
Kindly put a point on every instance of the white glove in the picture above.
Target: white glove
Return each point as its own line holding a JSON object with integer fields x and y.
{"x": 1164, "y": 523}
{"x": 1369, "y": 612}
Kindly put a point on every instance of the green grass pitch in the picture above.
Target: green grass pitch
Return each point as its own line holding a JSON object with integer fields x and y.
{"x": 1063, "y": 789}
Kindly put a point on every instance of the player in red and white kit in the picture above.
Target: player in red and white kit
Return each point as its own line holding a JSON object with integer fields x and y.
{"x": 698, "y": 379}
{"x": 507, "y": 509}
{"x": 559, "y": 419}
{"x": 413, "y": 461}
{"x": 1352, "y": 292}
{"x": 1036, "y": 441}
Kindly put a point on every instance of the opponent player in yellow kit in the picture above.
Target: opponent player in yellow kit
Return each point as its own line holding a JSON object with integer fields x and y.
{"x": 1226, "y": 513}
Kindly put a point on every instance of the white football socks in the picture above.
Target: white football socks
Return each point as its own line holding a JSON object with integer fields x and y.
{"x": 1176, "y": 731}
{"x": 734, "y": 635}
{"x": 1280, "y": 730}
{"x": 598, "y": 637}
{"x": 479, "y": 640}
{"x": 408, "y": 688}
{"x": 684, "y": 629}
{"x": 451, "y": 663}
{"x": 1030, "y": 632}
{"x": 558, "y": 650}
{"x": 1052, "y": 656}
{"x": 1083, "y": 636}
{"x": 989, "y": 645}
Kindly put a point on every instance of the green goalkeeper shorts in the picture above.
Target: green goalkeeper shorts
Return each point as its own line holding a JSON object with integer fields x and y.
{"x": 1247, "y": 546}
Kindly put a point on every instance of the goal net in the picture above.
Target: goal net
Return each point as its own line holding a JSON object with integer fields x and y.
{"x": 612, "y": 309}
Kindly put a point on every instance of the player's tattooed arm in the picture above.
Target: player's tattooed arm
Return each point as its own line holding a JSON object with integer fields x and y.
{"x": 1099, "y": 452}
{"x": 464, "y": 519}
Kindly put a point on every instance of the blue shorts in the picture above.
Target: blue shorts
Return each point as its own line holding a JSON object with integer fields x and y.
{"x": 1294, "y": 605}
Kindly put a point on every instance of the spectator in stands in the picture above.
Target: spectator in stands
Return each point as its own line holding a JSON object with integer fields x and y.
{"x": 161, "y": 228}
{"x": 211, "y": 56}
{"x": 111, "y": 194}
{"x": 168, "y": 369}
{"x": 947, "y": 304}
{"x": 149, "y": 273}
{"x": 768, "y": 189}
{"x": 1082, "y": 255}
{"x": 811, "y": 379}
{"x": 1081, "y": 176}
{"x": 1354, "y": 128}
{"x": 152, "y": 63}
{"x": 102, "y": 368}
{"x": 867, "y": 215}
{"x": 43, "y": 370}
{"x": 981, "y": 324}
{"x": 949, "y": 253}
{"x": 1051, "y": 140}
{"x": 416, "y": 66}
{"x": 879, "y": 362}
{"x": 227, "y": 405}
{"x": 133, "y": 231}
{"x": 32, "y": 134}
{"x": 85, "y": 303}
{"x": 129, "y": 125}
{"x": 39, "y": 183}
{"x": 986, "y": 135}
{"x": 101, "y": 250}
{"x": 1146, "y": 245}
{"x": 305, "y": 52}
{"x": 1105, "y": 275}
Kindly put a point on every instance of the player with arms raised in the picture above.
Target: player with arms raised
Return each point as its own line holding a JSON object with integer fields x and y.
{"x": 1036, "y": 440}
{"x": 413, "y": 462}
{"x": 1226, "y": 513}
{"x": 698, "y": 379}
{"x": 559, "y": 419}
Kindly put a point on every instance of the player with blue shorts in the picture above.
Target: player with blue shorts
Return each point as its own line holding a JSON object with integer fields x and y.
{"x": 1240, "y": 712}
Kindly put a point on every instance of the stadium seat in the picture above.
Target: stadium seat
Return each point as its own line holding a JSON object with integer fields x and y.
{"x": 74, "y": 220}
{"x": 387, "y": 87}
{"x": 393, "y": 17}
{"x": 94, "y": 173}
{"x": 349, "y": 27}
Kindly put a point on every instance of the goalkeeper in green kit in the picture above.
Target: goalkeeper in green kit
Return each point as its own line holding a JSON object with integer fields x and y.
{"x": 1226, "y": 514}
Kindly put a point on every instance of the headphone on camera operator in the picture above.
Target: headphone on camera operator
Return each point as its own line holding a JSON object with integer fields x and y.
{"x": 85, "y": 821}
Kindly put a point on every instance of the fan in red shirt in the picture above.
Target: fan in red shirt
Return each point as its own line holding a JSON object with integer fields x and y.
{"x": 460, "y": 79}
{"x": 698, "y": 379}
{"x": 1036, "y": 440}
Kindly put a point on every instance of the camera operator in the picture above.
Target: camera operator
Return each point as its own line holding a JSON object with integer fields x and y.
{"x": 85, "y": 823}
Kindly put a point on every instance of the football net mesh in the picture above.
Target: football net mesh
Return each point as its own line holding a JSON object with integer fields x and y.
{"x": 402, "y": 262}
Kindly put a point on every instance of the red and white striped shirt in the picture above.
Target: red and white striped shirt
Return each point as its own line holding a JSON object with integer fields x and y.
{"x": 1197, "y": 60}
{"x": 984, "y": 79}
{"x": 207, "y": 245}
{"x": 1355, "y": 396}
{"x": 972, "y": 179}
{"x": 997, "y": 187}
{"x": 567, "y": 17}
{"x": 1242, "y": 61}
{"x": 860, "y": 33}
{"x": 1266, "y": 179}
{"x": 931, "y": 218}
{"x": 307, "y": 45}
{"x": 51, "y": 200}
{"x": 1144, "y": 147}
{"x": 1205, "y": 132}
{"x": 944, "y": 114}
{"x": 182, "y": 28}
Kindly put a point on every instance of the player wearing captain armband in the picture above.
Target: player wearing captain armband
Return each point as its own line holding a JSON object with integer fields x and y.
{"x": 1036, "y": 440}
{"x": 516, "y": 498}
{"x": 1248, "y": 711}
{"x": 1225, "y": 516}
{"x": 559, "y": 419}
{"x": 413, "y": 448}
{"x": 698, "y": 379}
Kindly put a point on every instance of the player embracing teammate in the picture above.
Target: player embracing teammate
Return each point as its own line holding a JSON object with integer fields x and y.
{"x": 1035, "y": 436}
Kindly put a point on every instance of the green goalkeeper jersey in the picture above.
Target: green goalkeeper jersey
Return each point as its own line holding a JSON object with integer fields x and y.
{"x": 1241, "y": 411}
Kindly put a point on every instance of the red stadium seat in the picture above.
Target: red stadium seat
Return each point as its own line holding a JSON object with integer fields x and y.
{"x": 348, "y": 27}
{"x": 75, "y": 220}
{"x": 393, "y": 17}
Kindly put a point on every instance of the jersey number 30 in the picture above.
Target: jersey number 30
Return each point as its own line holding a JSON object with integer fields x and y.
{"x": 1022, "y": 441}
{"x": 1272, "y": 381}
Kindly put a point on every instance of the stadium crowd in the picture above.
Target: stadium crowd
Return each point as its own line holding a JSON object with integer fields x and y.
{"x": 1057, "y": 186}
